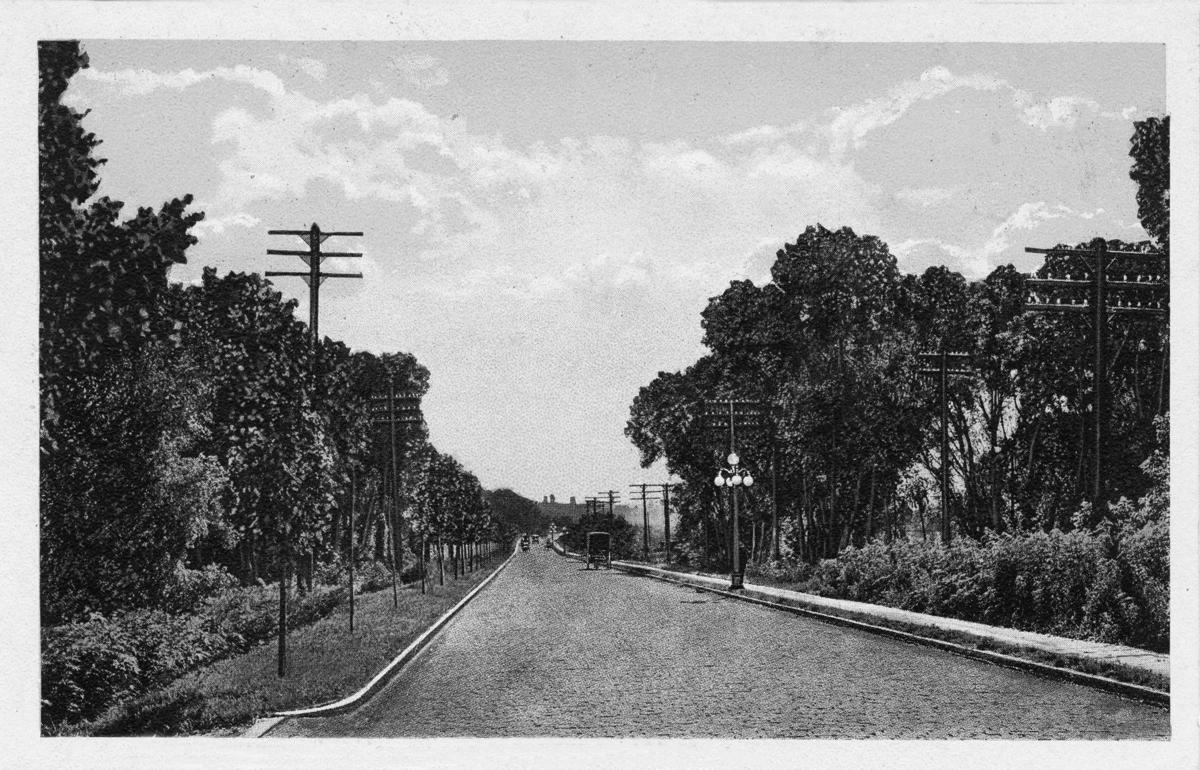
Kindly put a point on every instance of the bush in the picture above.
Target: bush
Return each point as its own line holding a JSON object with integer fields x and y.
{"x": 87, "y": 666}
{"x": 372, "y": 576}
{"x": 1064, "y": 583}
{"x": 189, "y": 587}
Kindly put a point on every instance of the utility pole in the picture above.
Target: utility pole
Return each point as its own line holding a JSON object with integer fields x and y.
{"x": 943, "y": 359}
{"x": 313, "y": 277}
{"x": 732, "y": 414}
{"x": 666, "y": 498}
{"x": 613, "y": 498}
{"x": 393, "y": 410}
{"x": 1141, "y": 293}
{"x": 353, "y": 502}
{"x": 644, "y": 493}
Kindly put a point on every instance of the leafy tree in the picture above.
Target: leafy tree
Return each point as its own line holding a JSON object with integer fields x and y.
{"x": 624, "y": 536}
{"x": 116, "y": 403}
{"x": 100, "y": 278}
{"x": 1150, "y": 149}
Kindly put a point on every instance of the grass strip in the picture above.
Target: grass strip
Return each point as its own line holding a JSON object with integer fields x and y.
{"x": 325, "y": 663}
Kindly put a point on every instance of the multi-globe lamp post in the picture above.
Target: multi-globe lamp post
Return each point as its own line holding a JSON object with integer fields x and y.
{"x": 733, "y": 477}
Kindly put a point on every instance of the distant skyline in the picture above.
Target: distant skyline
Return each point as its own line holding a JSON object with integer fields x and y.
{"x": 544, "y": 221}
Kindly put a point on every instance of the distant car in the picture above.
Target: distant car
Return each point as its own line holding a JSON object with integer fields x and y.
{"x": 525, "y": 543}
{"x": 536, "y": 537}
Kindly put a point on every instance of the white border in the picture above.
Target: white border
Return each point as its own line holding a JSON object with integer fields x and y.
{"x": 1174, "y": 24}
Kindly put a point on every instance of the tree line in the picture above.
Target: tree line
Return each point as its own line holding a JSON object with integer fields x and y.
{"x": 832, "y": 346}
{"x": 182, "y": 425}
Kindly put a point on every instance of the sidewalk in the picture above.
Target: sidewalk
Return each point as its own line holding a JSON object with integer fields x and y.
{"x": 1004, "y": 640}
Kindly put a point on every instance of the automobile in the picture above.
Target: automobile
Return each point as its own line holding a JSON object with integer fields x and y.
{"x": 599, "y": 550}
{"x": 536, "y": 537}
{"x": 525, "y": 543}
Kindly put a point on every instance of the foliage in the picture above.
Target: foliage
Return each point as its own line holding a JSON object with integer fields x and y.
{"x": 515, "y": 514}
{"x": 830, "y": 347}
{"x": 1064, "y": 583}
{"x": 191, "y": 587}
{"x": 100, "y": 278}
{"x": 1150, "y": 149}
{"x": 625, "y": 537}
{"x": 90, "y": 664}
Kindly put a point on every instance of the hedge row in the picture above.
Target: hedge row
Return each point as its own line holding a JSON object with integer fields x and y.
{"x": 91, "y": 664}
{"x": 1080, "y": 584}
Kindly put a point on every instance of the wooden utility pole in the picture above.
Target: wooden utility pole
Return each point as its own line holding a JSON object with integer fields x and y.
{"x": 394, "y": 409}
{"x": 612, "y": 496}
{"x": 1140, "y": 293}
{"x": 313, "y": 277}
{"x": 666, "y": 498}
{"x": 943, "y": 359}
{"x": 644, "y": 493}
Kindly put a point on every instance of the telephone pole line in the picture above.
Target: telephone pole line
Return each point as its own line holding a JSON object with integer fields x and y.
{"x": 612, "y": 496}
{"x": 1140, "y": 293}
{"x": 943, "y": 359}
{"x": 313, "y": 277}
{"x": 394, "y": 409}
{"x": 644, "y": 493}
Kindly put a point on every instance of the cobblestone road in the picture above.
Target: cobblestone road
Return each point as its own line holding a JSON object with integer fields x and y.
{"x": 549, "y": 649}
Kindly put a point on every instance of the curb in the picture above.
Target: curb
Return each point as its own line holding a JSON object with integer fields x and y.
{"x": 1140, "y": 692}
{"x": 1147, "y": 694}
{"x": 262, "y": 726}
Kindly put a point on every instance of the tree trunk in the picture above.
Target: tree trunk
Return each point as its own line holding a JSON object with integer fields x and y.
{"x": 870, "y": 507}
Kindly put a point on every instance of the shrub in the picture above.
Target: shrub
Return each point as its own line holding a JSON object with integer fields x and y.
{"x": 85, "y": 666}
{"x": 189, "y": 587}
{"x": 1109, "y": 585}
{"x": 1144, "y": 561}
{"x": 89, "y": 665}
{"x": 373, "y": 576}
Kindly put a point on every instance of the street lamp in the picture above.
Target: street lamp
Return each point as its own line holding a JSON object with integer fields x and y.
{"x": 732, "y": 477}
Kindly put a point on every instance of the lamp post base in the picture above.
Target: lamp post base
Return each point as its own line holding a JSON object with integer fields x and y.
{"x": 735, "y": 581}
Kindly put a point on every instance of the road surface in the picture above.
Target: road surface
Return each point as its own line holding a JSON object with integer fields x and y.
{"x": 551, "y": 649}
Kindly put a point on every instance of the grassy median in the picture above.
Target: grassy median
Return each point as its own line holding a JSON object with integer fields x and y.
{"x": 325, "y": 663}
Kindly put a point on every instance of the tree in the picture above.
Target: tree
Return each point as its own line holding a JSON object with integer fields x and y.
{"x": 100, "y": 278}
{"x": 1150, "y": 148}
{"x": 115, "y": 399}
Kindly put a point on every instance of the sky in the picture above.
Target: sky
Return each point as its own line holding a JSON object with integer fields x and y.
{"x": 544, "y": 221}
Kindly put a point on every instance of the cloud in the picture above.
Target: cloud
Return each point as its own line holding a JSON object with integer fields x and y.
{"x": 314, "y": 68}
{"x": 924, "y": 197}
{"x": 764, "y": 134}
{"x": 978, "y": 261}
{"x": 218, "y": 225}
{"x": 852, "y": 124}
{"x": 138, "y": 82}
{"x": 420, "y": 70}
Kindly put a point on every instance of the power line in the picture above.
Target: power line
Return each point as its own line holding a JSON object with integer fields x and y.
{"x": 394, "y": 409}
{"x": 944, "y": 359}
{"x": 1143, "y": 298}
{"x": 313, "y": 277}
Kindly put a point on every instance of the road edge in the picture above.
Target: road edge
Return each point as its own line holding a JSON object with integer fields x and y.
{"x": 1128, "y": 689}
{"x": 1140, "y": 692}
{"x": 263, "y": 726}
